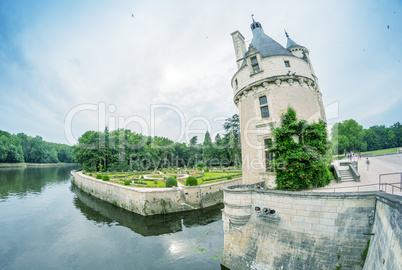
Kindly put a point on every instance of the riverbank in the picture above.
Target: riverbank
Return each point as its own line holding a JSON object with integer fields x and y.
{"x": 34, "y": 165}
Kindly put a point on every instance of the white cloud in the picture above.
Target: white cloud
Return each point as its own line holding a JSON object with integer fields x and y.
{"x": 181, "y": 53}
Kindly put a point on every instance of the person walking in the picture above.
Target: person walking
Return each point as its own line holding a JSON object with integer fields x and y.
{"x": 368, "y": 163}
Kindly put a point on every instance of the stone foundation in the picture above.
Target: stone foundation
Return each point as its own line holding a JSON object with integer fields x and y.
{"x": 310, "y": 230}
{"x": 153, "y": 201}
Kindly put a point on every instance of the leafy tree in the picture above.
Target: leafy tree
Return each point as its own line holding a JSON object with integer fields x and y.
{"x": 10, "y": 147}
{"x": 232, "y": 139}
{"x": 347, "y": 136}
{"x": 350, "y": 136}
{"x": 397, "y": 129}
{"x": 193, "y": 141}
{"x": 208, "y": 149}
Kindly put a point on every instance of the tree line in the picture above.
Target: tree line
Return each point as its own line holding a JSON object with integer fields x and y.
{"x": 122, "y": 150}
{"x": 23, "y": 148}
{"x": 351, "y": 136}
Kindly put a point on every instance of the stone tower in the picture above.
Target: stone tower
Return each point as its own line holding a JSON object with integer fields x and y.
{"x": 270, "y": 79}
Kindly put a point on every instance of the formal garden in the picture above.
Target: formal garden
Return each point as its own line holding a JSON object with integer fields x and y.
{"x": 170, "y": 177}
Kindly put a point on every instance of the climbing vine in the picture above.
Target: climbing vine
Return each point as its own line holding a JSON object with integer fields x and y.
{"x": 301, "y": 153}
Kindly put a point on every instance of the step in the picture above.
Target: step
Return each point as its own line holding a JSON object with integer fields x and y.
{"x": 348, "y": 173}
{"x": 348, "y": 178}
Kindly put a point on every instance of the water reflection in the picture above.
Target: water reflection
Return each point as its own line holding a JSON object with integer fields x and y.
{"x": 22, "y": 180}
{"x": 107, "y": 214}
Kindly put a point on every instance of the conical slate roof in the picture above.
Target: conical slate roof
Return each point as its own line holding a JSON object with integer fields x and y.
{"x": 290, "y": 42}
{"x": 264, "y": 44}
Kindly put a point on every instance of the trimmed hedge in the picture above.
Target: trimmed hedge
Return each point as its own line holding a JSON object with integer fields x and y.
{"x": 191, "y": 181}
{"x": 171, "y": 182}
{"x": 98, "y": 176}
{"x": 105, "y": 177}
{"x": 127, "y": 182}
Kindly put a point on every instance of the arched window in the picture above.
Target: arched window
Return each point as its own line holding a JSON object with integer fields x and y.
{"x": 264, "y": 107}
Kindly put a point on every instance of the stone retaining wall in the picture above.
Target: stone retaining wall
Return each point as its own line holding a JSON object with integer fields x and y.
{"x": 385, "y": 246}
{"x": 153, "y": 201}
{"x": 307, "y": 231}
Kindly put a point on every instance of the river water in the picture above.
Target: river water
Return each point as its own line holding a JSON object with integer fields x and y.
{"x": 48, "y": 223}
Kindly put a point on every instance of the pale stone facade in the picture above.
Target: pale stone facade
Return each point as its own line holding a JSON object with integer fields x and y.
{"x": 270, "y": 79}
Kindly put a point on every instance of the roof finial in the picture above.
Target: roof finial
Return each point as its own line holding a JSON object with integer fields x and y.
{"x": 286, "y": 33}
{"x": 252, "y": 17}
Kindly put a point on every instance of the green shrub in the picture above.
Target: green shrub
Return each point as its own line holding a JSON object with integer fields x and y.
{"x": 171, "y": 182}
{"x": 90, "y": 174}
{"x": 304, "y": 164}
{"x": 206, "y": 169}
{"x": 127, "y": 182}
{"x": 105, "y": 177}
{"x": 191, "y": 181}
{"x": 229, "y": 177}
{"x": 98, "y": 176}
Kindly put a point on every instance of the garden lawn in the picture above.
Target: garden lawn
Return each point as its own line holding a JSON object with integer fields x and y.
{"x": 152, "y": 183}
{"x": 384, "y": 151}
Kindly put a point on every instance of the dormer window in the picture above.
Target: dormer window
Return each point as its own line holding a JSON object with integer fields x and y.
{"x": 254, "y": 64}
{"x": 287, "y": 64}
{"x": 264, "y": 107}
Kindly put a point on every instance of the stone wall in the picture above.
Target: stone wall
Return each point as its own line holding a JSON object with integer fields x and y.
{"x": 385, "y": 246}
{"x": 153, "y": 201}
{"x": 270, "y": 67}
{"x": 207, "y": 195}
{"x": 307, "y": 231}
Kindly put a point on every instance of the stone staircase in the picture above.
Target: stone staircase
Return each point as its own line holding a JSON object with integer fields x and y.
{"x": 346, "y": 175}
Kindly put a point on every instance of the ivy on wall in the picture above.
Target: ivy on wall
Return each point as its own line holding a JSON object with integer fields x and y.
{"x": 301, "y": 151}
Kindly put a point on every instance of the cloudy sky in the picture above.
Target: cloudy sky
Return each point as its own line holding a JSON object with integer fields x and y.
{"x": 164, "y": 67}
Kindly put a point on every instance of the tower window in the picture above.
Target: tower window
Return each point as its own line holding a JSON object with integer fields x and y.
{"x": 269, "y": 156}
{"x": 264, "y": 107}
{"x": 237, "y": 84}
{"x": 254, "y": 64}
{"x": 287, "y": 64}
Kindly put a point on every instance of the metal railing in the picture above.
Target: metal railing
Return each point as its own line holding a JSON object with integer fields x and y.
{"x": 387, "y": 174}
{"x": 381, "y": 187}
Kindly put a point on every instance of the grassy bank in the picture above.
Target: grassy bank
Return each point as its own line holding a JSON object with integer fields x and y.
{"x": 381, "y": 152}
